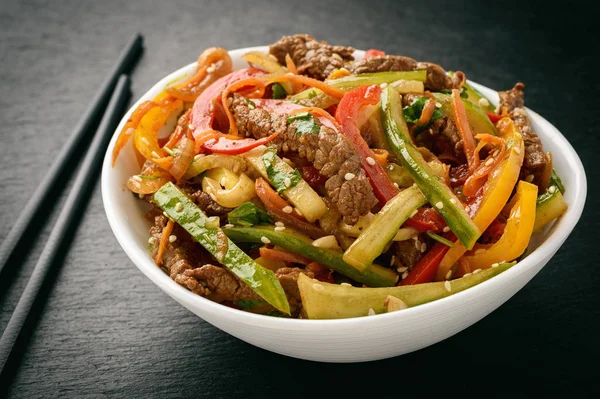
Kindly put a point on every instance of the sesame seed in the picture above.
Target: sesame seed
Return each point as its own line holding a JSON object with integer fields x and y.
{"x": 453, "y": 180}
{"x": 453, "y": 200}
{"x": 483, "y": 102}
{"x": 517, "y": 150}
{"x": 371, "y": 161}
{"x": 449, "y": 274}
{"x": 468, "y": 208}
{"x": 145, "y": 141}
{"x": 529, "y": 178}
{"x": 265, "y": 240}
{"x": 383, "y": 85}
{"x": 447, "y": 286}
{"x": 190, "y": 126}
{"x": 423, "y": 247}
{"x": 404, "y": 275}
{"x": 142, "y": 196}
{"x": 136, "y": 178}
{"x": 476, "y": 271}
{"x": 211, "y": 69}
{"x": 151, "y": 240}
{"x": 172, "y": 238}
{"x": 494, "y": 265}
{"x": 439, "y": 205}
{"x": 438, "y": 105}
{"x": 396, "y": 185}
{"x": 489, "y": 161}
{"x": 155, "y": 154}
{"x": 228, "y": 225}
{"x": 371, "y": 312}
{"x": 287, "y": 182}
{"x": 391, "y": 167}
{"x": 349, "y": 176}
{"x": 430, "y": 131}
{"x": 402, "y": 269}
{"x": 179, "y": 207}
{"x": 279, "y": 228}
{"x": 165, "y": 214}
{"x": 496, "y": 153}
{"x": 552, "y": 189}
{"x": 466, "y": 275}
{"x": 287, "y": 209}
{"x": 446, "y": 229}
{"x": 279, "y": 224}
{"x": 417, "y": 244}
{"x": 346, "y": 284}
{"x": 318, "y": 287}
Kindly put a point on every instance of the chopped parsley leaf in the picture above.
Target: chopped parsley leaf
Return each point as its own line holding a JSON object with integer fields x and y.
{"x": 305, "y": 123}
{"x": 278, "y": 91}
{"x": 248, "y": 214}
{"x": 277, "y": 177}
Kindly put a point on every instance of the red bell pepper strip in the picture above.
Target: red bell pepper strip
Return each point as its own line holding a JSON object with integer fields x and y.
{"x": 425, "y": 270}
{"x": 347, "y": 117}
{"x": 223, "y": 145}
{"x": 426, "y": 219}
{"x": 372, "y": 53}
{"x": 493, "y": 117}
{"x": 204, "y": 110}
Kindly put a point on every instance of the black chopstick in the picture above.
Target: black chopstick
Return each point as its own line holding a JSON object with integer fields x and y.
{"x": 84, "y": 182}
{"x": 127, "y": 59}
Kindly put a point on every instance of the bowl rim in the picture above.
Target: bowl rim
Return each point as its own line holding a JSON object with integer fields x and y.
{"x": 563, "y": 228}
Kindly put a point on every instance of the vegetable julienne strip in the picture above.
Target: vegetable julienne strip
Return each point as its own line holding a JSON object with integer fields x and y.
{"x": 333, "y": 301}
{"x": 374, "y": 276}
{"x": 181, "y": 209}
{"x": 496, "y": 191}
{"x": 436, "y": 192}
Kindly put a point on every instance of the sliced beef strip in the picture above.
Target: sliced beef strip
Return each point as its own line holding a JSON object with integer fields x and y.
{"x": 534, "y": 162}
{"x": 204, "y": 201}
{"x": 408, "y": 252}
{"x": 313, "y": 58}
{"x": 329, "y": 152}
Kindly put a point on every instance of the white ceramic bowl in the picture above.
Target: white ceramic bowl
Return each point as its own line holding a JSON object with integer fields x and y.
{"x": 357, "y": 339}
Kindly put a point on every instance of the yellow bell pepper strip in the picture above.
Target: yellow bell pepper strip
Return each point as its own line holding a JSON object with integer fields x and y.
{"x": 182, "y": 210}
{"x": 145, "y": 137}
{"x": 373, "y": 276}
{"x": 517, "y": 232}
{"x": 321, "y": 300}
{"x": 496, "y": 191}
{"x": 433, "y": 188}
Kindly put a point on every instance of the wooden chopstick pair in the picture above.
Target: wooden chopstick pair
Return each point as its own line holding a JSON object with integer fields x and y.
{"x": 115, "y": 91}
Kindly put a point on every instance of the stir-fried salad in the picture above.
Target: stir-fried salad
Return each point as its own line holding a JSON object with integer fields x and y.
{"x": 314, "y": 185}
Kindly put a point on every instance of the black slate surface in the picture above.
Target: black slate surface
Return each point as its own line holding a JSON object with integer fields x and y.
{"x": 107, "y": 331}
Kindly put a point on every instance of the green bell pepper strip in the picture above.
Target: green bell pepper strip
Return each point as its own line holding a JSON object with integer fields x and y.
{"x": 182, "y": 210}
{"x": 374, "y": 276}
{"x": 332, "y": 301}
{"x": 316, "y": 98}
{"x": 437, "y": 193}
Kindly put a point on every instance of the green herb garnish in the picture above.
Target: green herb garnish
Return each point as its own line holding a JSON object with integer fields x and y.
{"x": 281, "y": 180}
{"x": 278, "y": 91}
{"x": 305, "y": 123}
{"x": 251, "y": 103}
{"x": 413, "y": 112}
{"x": 248, "y": 214}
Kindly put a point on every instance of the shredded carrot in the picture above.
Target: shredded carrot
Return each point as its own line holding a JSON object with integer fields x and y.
{"x": 259, "y": 86}
{"x": 339, "y": 73}
{"x": 477, "y": 179}
{"x": 319, "y": 112}
{"x": 289, "y": 63}
{"x": 428, "y": 110}
{"x": 462, "y": 124}
{"x": 305, "y": 80}
{"x": 164, "y": 239}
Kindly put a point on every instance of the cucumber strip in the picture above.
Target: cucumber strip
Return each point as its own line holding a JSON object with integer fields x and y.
{"x": 382, "y": 229}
